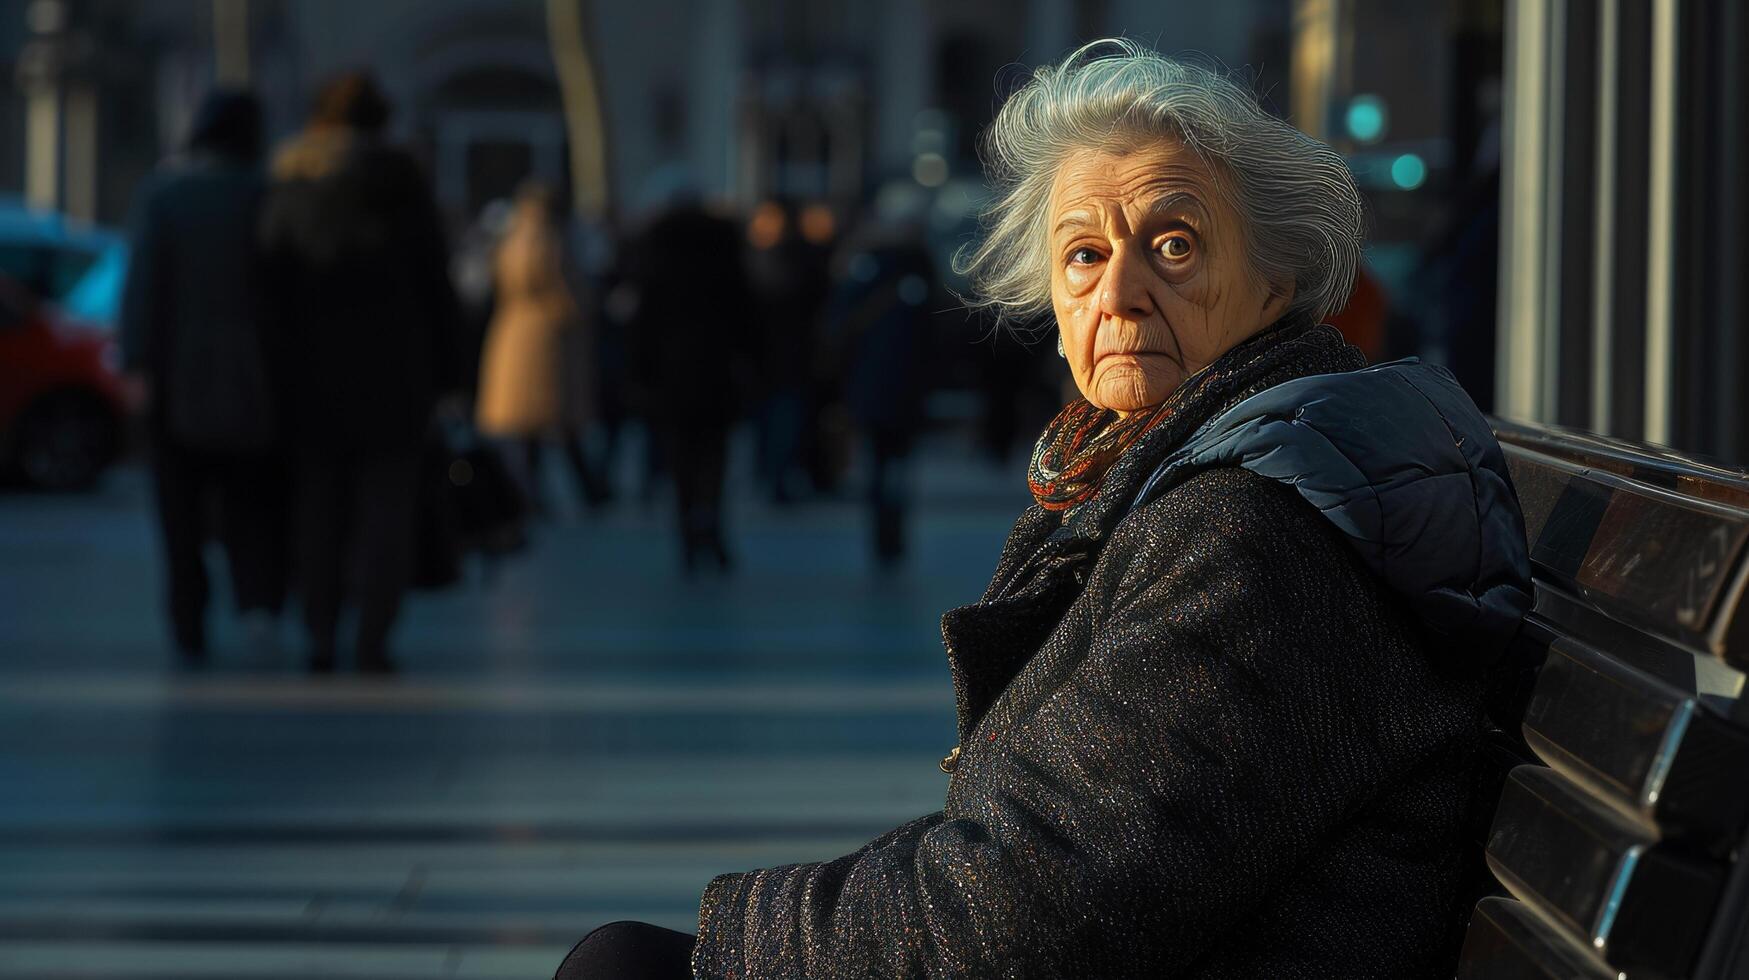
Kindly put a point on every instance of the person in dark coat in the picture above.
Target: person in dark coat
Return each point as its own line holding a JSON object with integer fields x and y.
{"x": 1221, "y": 706}
{"x": 193, "y": 332}
{"x": 369, "y": 318}
{"x": 692, "y": 362}
{"x": 877, "y": 321}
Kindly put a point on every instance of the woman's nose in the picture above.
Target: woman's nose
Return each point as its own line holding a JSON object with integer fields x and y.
{"x": 1124, "y": 292}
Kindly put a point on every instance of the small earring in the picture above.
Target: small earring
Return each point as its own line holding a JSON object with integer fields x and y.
{"x": 1060, "y": 351}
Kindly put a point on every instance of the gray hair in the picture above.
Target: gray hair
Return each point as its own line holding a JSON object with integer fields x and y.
{"x": 1302, "y": 213}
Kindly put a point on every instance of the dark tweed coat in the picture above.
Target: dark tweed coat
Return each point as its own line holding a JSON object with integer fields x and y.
{"x": 1203, "y": 736}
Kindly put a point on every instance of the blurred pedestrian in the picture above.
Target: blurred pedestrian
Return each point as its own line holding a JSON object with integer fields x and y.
{"x": 192, "y": 332}
{"x": 357, "y": 253}
{"x": 878, "y": 318}
{"x": 692, "y": 334}
{"x": 537, "y": 375}
{"x": 791, "y": 279}
{"x": 613, "y": 301}
{"x": 471, "y": 268}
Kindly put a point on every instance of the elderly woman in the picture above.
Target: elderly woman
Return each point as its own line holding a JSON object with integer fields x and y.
{"x": 1220, "y": 706}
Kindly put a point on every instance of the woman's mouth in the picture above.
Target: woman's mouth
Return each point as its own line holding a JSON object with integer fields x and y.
{"x": 1122, "y": 356}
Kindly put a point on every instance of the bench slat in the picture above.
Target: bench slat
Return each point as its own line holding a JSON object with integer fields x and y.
{"x": 1656, "y": 466}
{"x": 1507, "y": 941}
{"x": 1600, "y": 875}
{"x": 1645, "y": 556}
{"x": 1651, "y": 748}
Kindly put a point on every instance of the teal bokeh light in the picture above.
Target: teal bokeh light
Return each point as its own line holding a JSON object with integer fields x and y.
{"x": 1365, "y": 119}
{"x": 1408, "y": 171}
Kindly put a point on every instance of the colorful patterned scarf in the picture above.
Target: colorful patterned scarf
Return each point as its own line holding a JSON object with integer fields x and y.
{"x": 1078, "y": 447}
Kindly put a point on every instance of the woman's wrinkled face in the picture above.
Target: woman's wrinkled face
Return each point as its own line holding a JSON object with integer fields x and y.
{"x": 1149, "y": 277}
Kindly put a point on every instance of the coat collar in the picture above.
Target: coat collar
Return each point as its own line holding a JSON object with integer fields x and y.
{"x": 1280, "y": 353}
{"x": 1046, "y": 559}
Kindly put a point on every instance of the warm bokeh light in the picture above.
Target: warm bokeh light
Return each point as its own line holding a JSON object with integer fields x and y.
{"x": 818, "y": 224}
{"x": 766, "y": 225}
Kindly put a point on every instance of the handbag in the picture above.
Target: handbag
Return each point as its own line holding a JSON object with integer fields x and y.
{"x": 468, "y": 502}
{"x": 490, "y": 511}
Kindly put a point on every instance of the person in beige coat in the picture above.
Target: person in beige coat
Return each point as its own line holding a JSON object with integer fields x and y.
{"x": 537, "y": 370}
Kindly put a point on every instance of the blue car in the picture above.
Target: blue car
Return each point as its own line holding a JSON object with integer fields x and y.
{"x": 76, "y": 266}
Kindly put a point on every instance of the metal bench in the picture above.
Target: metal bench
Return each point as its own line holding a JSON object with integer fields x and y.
{"x": 1617, "y": 844}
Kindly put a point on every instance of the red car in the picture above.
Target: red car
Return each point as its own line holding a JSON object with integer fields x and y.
{"x": 62, "y": 403}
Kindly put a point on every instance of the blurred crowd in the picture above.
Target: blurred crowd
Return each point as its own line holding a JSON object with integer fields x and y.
{"x": 352, "y": 408}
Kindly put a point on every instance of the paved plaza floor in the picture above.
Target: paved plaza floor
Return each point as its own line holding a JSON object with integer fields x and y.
{"x": 578, "y": 737}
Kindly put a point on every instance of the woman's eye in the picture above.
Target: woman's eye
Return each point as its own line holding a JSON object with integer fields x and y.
{"x": 1176, "y": 247}
{"x": 1083, "y": 256}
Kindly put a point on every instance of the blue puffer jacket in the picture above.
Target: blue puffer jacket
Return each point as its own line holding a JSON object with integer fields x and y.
{"x": 1400, "y": 460}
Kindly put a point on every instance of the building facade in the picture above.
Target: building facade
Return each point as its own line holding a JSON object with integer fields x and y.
{"x": 716, "y": 98}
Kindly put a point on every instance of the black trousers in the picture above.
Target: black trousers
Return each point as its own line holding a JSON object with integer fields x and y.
{"x": 888, "y": 496}
{"x": 247, "y": 496}
{"x": 356, "y": 512}
{"x": 697, "y": 456}
{"x": 629, "y": 951}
